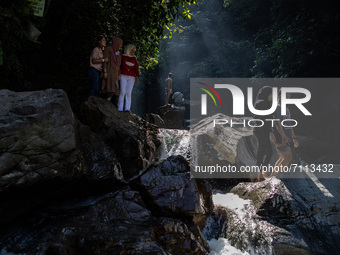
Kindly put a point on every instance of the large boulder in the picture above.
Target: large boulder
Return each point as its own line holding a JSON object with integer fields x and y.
{"x": 100, "y": 159}
{"x": 46, "y": 153}
{"x": 173, "y": 116}
{"x": 221, "y": 142}
{"x": 169, "y": 191}
{"x": 128, "y": 236}
{"x": 179, "y": 238}
{"x": 59, "y": 182}
{"x": 38, "y": 138}
{"x": 123, "y": 204}
{"x": 116, "y": 223}
{"x": 305, "y": 210}
{"x": 154, "y": 119}
{"x": 225, "y": 146}
{"x": 134, "y": 140}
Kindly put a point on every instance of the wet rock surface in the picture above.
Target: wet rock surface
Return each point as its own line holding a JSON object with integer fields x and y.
{"x": 129, "y": 236}
{"x": 179, "y": 238}
{"x": 215, "y": 226}
{"x": 175, "y": 142}
{"x": 114, "y": 223}
{"x": 46, "y": 153}
{"x": 133, "y": 139}
{"x": 304, "y": 211}
{"x": 173, "y": 116}
{"x": 169, "y": 191}
{"x": 96, "y": 188}
{"x": 224, "y": 146}
{"x": 220, "y": 142}
{"x": 38, "y": 138}
{"x": 69, "y": 193}
{"x": 154, "y": 119}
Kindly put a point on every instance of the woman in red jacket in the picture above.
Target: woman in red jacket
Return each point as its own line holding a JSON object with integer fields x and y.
{"x": 129, "y": 75}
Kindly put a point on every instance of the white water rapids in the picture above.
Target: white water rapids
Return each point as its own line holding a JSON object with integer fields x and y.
{"x": 222, "y": 246}
{"x": 243, "y": 214}
{"x": 177, "y": 142}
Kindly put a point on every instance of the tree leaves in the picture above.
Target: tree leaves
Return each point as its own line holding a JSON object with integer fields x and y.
{"x": 292, "y": 38}
{"x": 69, "y": 30}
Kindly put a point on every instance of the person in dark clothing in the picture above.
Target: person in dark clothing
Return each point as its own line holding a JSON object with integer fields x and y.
{"x": 264, "y": 152}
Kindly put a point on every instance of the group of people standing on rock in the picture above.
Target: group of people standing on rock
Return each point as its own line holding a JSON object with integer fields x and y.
{"x": 114, "y": 74}
{"x": 283, "y": 138}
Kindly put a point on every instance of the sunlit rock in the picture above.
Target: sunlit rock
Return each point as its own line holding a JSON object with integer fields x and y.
{"x": 305, "y": 210}
{"x": 218, "y": 152}
{"x": 220, "y": 143}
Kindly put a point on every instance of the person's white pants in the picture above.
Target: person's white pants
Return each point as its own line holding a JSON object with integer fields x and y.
{"x": 126, "y": 86}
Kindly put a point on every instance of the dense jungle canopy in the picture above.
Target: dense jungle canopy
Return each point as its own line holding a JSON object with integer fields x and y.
{"x": 68, "y": 32}
{"x": 207, "y": 38}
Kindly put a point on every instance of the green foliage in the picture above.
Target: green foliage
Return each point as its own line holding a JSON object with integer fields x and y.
{"x": 14, "y": 23}
{"x": 206, "y": 47}
{"x": 250, "y": 38}
{"x": 291, "y": 38}
{"x": 69, "y": 29}
{"x": 216, "y": 38}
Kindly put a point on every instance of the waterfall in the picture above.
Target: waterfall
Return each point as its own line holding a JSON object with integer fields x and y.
{"x": 175, "y": 142}
{"x": 242, "y": 233}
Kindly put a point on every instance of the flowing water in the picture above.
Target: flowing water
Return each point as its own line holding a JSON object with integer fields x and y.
{"x": 252, "y": 236}
{"x": 175, "y": 142}
{"x": 244, "y": 230}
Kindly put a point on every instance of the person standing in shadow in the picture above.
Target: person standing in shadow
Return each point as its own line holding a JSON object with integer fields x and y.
{"x": 110, "y": 86}
{"x": 264, "y": 152}
{"x": 96, "y": 65}
{"x": 168, "y": 88}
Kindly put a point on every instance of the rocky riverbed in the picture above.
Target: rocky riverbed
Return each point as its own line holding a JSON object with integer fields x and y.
{"x": 107, "y": 182}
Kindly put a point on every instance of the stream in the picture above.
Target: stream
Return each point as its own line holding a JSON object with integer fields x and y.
{"x": 234, "y": 228}
{"x": 177, "y": 142}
